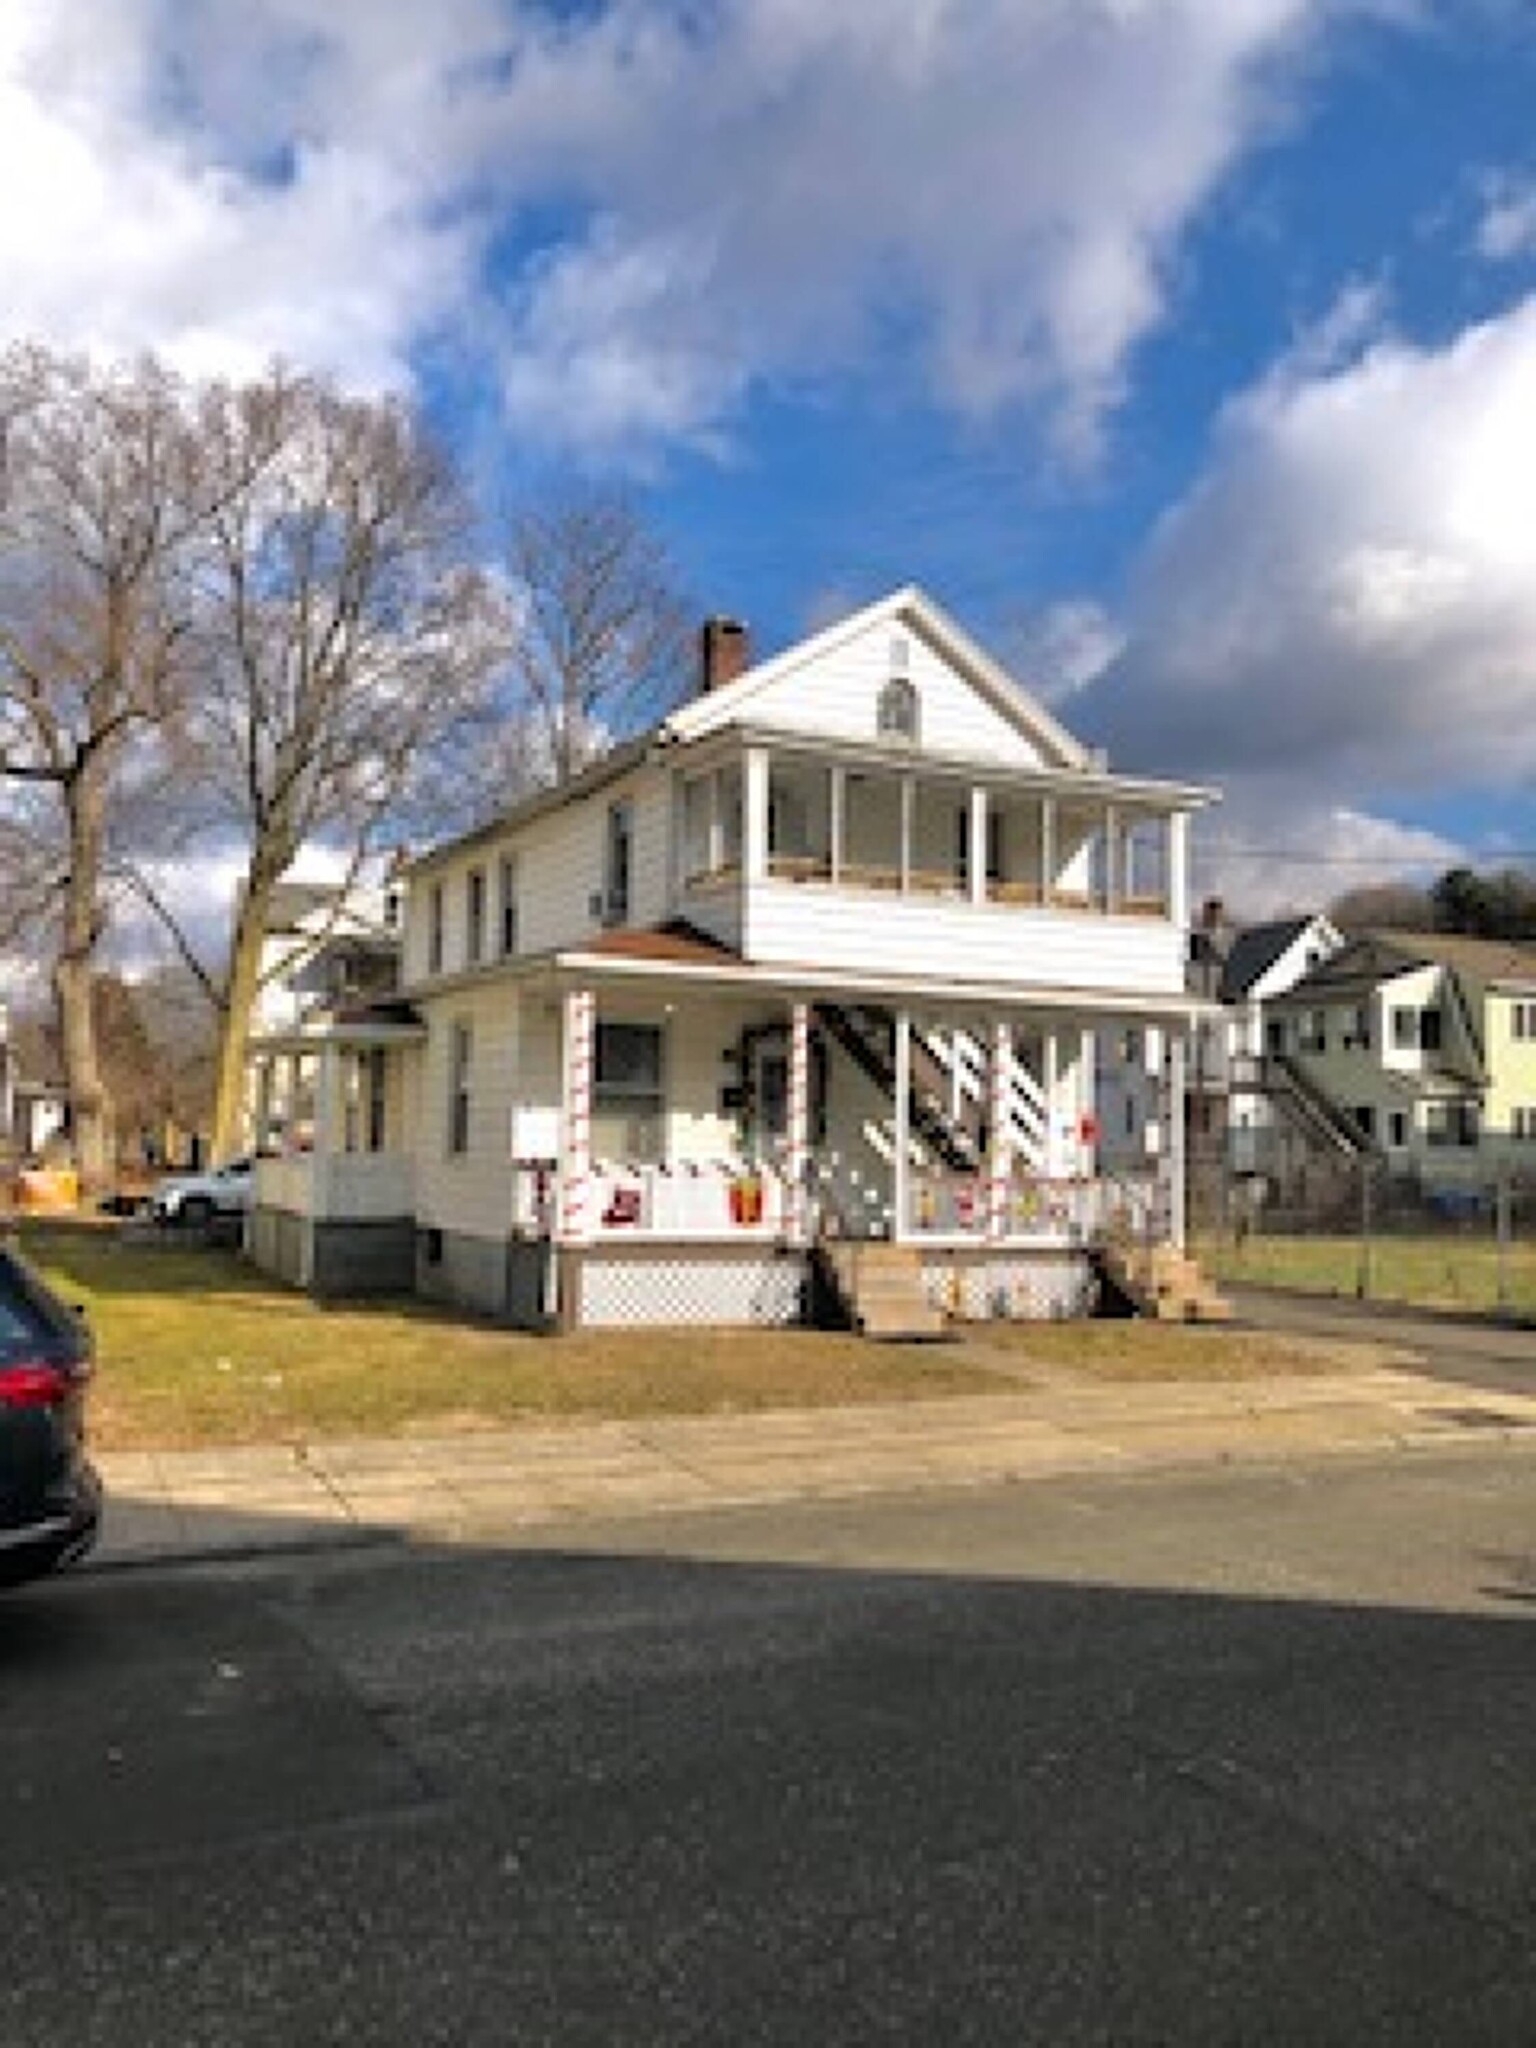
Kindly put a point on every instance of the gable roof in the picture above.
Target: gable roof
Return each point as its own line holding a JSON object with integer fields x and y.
{"x": 1254, "y": 951}
{"x": 917, "y": 611}
{"x": 1376, "y": 956}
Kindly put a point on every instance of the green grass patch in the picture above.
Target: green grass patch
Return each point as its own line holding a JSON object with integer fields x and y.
{"x": 196, "y": 1348}
{"x": 1156, "y": 1353}
{"x": 1449, "y": 1271}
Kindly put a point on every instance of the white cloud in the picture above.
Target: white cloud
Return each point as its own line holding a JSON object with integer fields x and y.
{"x": 767, "y": 189}
{"x": 1508, "y": 225}
{"x": 1268, "y": 851}
{"x": 1348, "y": 594}
{"x": 1060, "y": 649}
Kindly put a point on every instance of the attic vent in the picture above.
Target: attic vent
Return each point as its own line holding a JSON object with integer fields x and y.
{"x": 896, "y": 715}
{"x": 901, "y": 654}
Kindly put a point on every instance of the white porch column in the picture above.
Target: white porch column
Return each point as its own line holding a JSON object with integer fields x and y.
{"x": 839, "y": 813}
{"x": 1178, "y": 869}
{"x": 578, "y": 1031}
{"x": 908, "y": 807}
{"x": 901, "y": 1165}
{"x": 1087, "y": 1103}
{"x": 1176, "y": 1149}
{"x": 754, "y": 852}
{"x": 1047, "y": 847}
{"x": 264, "y": 1078}
{"x": 798, "y": 1153}
{"x": 999, "y": 1136}
{"x": 978, "y": 847}
{"x": 1111, "y": 852}
{"x": 295, "y": 1096}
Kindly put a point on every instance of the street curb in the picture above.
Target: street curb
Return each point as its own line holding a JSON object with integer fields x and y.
{"x": 99, "y": 1564}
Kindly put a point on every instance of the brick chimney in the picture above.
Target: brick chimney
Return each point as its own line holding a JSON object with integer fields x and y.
{"x": 725, "y": 652}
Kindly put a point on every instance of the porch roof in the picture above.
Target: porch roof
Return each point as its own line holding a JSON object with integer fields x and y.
{"x": 677, "y": 953}
{"x": 356, "y": 1031}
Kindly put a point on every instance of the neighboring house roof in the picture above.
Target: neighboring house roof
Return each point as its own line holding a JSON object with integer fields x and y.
{"x": 1254, "y": 951}
{"x": 1374, "y": 957}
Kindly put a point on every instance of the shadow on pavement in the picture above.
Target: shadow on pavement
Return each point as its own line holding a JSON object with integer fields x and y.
{"x": 594, "y": 1792}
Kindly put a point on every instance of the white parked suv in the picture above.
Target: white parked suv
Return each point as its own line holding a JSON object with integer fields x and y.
{"x": 199, "y": 1197}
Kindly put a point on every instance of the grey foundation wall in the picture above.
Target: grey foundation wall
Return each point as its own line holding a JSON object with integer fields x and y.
{"x": 377, "y": 1257}
{"x": 504, "y": 1278}
{"x": 334, "y": 1260}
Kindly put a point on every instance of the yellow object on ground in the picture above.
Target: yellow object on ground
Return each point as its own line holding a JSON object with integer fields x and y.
{"x": 48, "y": 1191}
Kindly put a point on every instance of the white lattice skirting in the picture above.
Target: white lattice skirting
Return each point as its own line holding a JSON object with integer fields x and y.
{"x": 676, "y": 1289}
{"x": 1044, "y": 1287}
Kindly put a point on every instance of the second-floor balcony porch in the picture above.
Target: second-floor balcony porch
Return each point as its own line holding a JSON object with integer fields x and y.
{"x": 789, "y": 854}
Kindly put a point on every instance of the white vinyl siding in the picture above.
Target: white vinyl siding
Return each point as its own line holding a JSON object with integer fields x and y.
{"x": 839, "y": 696}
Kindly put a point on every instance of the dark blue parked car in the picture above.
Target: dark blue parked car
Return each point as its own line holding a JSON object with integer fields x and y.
{"x": 50, "y": 1498}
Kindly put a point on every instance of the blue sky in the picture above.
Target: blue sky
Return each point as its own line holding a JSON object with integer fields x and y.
{"x": 1186, "y": 349}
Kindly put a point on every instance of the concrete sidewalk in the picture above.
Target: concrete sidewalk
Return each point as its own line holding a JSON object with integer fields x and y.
{"x": 484, "y": 1485}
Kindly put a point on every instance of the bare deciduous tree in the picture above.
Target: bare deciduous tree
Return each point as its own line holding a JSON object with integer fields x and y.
{"x": 96, "y": 497}
{"x": 601, "y": 639}
{"x": 338, "y": 634}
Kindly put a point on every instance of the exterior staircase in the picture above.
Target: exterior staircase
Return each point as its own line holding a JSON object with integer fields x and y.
{"x": 947, "y": 1103}
{"x": 1160, "y": 1281}
{"x": 879, "y": 1289}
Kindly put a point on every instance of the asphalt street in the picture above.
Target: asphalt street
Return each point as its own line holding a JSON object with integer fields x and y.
{"x": 1214, "y": 1757}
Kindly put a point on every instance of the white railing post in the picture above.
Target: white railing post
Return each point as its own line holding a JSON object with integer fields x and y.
{"x": 577, "y": 1047}
{"x": 977, "y": 849}
{"x": 901, "y": 1164}
{"x": 1175, "y": 1149}
{"x": 799, "y": 1110}
{"x": 999, "y": 1137}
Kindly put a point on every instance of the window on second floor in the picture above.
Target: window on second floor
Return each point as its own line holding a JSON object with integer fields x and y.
{"x": 617, "y": 861}
{"x": 474, "y": 916}
{"x": 1522, "y": 1122}
{"x": 506, "y": 908}
{"x": 1522, "y": 1020}
{"x": 1416, "y": 1030}
{"x": 1313, "y": 1036}
{"x": 435, "y": 921}
{"x": 1357, "y": 1029}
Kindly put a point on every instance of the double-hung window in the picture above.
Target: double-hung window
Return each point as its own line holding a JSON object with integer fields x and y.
{"x": 507, "y": 904}
{"x": 617, "y": 862}
{"x": 474, "y": 917}
{"x": 628, "y": 1105}
{"x": 435, "y": 922}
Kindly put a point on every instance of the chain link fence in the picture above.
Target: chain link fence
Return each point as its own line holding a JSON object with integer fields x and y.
{"x": 1351, "y": 1228}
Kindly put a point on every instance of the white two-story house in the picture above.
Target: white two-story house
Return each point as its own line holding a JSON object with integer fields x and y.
{"x": 822, "y": 955}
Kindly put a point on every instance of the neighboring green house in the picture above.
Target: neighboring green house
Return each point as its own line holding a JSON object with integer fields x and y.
{"x": 1422, "y": 1043}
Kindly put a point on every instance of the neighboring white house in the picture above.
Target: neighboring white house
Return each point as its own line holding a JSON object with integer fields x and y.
{"x": 326, "y": 945}
{"x": 825, "y": 953}
{"x": 1424, "y": 1044}
{"x": 1232, "y": 1112}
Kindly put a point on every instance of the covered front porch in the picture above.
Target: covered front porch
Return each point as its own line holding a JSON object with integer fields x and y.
{"x": 331, "y": 1126}
{"x": 716, "y": 1128}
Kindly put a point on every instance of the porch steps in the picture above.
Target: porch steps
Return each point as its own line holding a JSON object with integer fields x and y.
{"x": 1161, "y": 1281}
{"x": 881, "y": 1290}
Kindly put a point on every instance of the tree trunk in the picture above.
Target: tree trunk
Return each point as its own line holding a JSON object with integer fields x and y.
{"x": 240, "y": 993}
{"x": 74, "y": 976}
